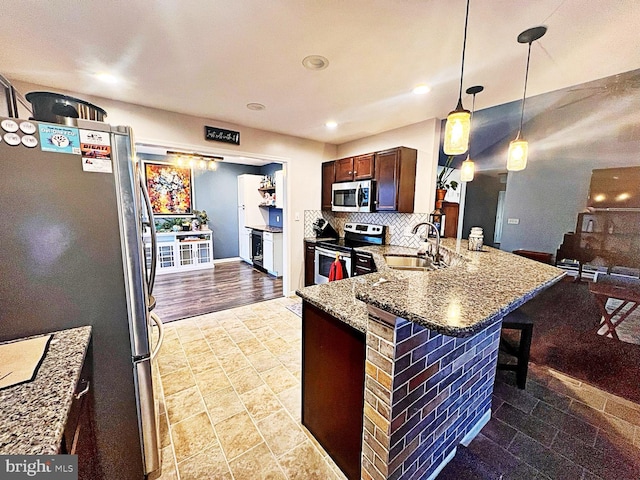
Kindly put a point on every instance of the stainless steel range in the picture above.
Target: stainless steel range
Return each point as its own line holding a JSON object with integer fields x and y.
{"x": 355, "y": 235}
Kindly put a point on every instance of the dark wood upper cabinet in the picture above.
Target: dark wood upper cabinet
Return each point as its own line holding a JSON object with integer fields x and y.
{"x": 344, "y": 169}
{"x": 395, "y": 175}
{"x": 363, "y": 166}
{"x": 360, "y": 167}
{"x": 328, "y": 177}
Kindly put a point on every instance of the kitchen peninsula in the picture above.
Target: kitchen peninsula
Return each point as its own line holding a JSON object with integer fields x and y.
{"x": 399, "y": 366}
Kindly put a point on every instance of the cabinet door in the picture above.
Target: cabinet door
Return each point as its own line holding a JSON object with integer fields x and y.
{"x": 309, "y": 263}
{"x": 450, "y": 211}
{"x": 363, "y": 167}
{"x": 279, "y": 189}
{"x": 395, "y": 174}
{"x": 267, "y": 253}
{"x": 344, "y": 169}
{"x": 387, "y": 169}
{"x": 328, "y": 177}
{"x": 245, "y": 244}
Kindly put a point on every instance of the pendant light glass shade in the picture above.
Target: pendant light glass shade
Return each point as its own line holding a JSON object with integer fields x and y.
{"x": 519, "y": 148}
{"x": 518, "y": 151}
{"x": 456, "y": 131}
{"x": 467, "y": 171}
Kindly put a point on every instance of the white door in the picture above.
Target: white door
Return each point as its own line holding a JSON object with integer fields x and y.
{"x": 497, "y": 235}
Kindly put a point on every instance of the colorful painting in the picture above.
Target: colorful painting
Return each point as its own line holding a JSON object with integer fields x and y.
{"x": 170, "y": 188}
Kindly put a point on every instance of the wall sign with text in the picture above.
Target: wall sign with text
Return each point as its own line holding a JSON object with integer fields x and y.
{"x": 221, "y": 135}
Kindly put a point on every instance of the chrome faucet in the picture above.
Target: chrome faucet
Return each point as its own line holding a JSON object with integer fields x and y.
{"x": 430, "y": 226}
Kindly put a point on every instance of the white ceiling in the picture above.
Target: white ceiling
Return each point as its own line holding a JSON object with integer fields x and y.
{"x": 210, "y": 58}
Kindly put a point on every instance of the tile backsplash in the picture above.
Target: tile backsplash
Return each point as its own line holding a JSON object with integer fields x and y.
{"x": 397, "y": 224}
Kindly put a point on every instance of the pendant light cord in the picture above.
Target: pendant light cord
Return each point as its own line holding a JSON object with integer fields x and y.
{"x": 464, "y": 47}
{"x": 524, "y": 94}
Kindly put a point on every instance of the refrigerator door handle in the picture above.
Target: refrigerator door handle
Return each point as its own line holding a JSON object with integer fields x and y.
{"x": 156, "y": 319}
{"x": 152, "y": 226}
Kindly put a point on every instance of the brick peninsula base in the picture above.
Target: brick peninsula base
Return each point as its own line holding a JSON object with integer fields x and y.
{"x": 425, "y": 393}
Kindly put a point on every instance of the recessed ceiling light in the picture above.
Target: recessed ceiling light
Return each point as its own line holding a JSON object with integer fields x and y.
{"x": 255, "y": 106}
{"x": 315, "y": 62}
{"x": 421, "y": 89}
{"x": 331, "y": 124}
{"x": 107, "y": 78}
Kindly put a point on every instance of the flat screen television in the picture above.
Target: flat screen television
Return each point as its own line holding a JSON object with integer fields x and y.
{"x": 615, "y": 188}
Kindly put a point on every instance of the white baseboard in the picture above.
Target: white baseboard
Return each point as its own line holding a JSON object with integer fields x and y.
{"x": 447, "y": 459}
{"x": 476, "y": 428}
{"x": 227, "y": 260}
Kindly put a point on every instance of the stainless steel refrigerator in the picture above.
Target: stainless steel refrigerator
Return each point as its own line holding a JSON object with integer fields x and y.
{"x": 71, "y": 254}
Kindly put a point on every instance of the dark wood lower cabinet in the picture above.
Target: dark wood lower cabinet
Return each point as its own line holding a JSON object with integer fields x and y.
{"x": 79, "y": 437}
{"x": 333, "y": 360}
{"x": 309, "y": 263}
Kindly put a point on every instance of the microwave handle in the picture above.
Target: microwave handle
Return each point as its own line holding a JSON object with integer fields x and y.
{"x": 358, "y": 194}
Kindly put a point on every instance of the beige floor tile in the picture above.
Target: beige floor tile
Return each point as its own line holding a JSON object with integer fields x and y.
{"x": 196, "y": 347}
{"x": 253, "y": 323}
{"x": 201, "y": 363}
{"x": 292, "y": 360}
{"x": 281, "y": 432}
{"x": 291, "y": 398}
{"x": 223, "y": 404}
{"x": 210, "y": 464}
{"x": 212, "y": 380}
{"x": 170, "y": 346}
{"x": 245, "y": 379}
{"x": 250, "y": 346}
{"x": 168, "y": 465}
{"x": 279, "y": 379}
{"x": 192, "y": 436}
{"x": 263, "y": 361}
{"x": 623, "y": 409}
{"x": 256, "y": 464}
{"x": 184, "y": 404}
{"x": 233, "y": 362}
{"x": 240, "y": 334}
{"x": 165, "y": 438}
{"x": 265, "y": 333}
{"x": 636, "y": 439}
{"x": 177, "y": 381}
{"x": 189, "y": 333}
{"x": 277, "y": 346}
{"x": 222, "y": 345}
{"x": 237, "y": 434}
{"x": 260, "y": 402}
{"x": 170, "y": 362}
{"x": 305, "y": 463}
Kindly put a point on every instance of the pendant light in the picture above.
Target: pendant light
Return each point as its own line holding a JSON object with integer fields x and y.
{"x": 519, "y": 148}
{"x": 468, "y": 168}
{"x": 456, "y": 131}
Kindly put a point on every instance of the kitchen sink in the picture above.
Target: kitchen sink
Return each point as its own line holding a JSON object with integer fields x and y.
{"x": 400, "y": 262}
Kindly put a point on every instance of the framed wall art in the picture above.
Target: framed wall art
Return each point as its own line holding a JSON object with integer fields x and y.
{"x": 170, "y": 188}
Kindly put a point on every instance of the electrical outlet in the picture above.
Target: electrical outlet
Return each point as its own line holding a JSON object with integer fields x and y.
{"x": 296, "y": 217}
{"x": 513, "y": 221}
{"x": 277, "y": 218}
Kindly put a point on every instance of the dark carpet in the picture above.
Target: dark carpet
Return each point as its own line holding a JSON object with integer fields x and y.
{"x": 564, "y": 338}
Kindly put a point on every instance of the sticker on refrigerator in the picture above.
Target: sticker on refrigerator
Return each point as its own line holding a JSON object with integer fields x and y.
{"x": 95, "y": 145}
{"x": 59, "y": 139}
{"x": 100, "y": 165}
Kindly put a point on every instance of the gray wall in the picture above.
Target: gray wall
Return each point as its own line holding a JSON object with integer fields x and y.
{"x": 570, "y": 132}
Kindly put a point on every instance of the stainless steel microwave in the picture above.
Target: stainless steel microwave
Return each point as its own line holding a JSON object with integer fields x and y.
{"x": 352, "y": 196}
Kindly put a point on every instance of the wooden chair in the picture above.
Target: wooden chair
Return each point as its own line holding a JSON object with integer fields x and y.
{"x": 517, "y": 320}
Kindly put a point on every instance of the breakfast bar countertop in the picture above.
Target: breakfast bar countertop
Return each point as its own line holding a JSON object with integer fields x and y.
{"x": 33, "y": 414}
{"x": 472, "y": 291}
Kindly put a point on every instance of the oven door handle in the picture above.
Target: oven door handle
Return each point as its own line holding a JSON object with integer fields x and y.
{"x": 331, "y": 253}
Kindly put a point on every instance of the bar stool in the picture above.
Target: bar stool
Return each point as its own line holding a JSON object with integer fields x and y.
{"x": 517, "y": 320}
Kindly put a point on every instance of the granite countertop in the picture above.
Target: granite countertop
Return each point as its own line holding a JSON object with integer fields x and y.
{"x": 33, "y": 415}
{"x": 473, "y": 290}
{"x": 265, "y": 228}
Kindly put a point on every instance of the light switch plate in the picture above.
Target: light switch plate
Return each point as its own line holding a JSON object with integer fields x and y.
{"x": 513, "y": 221}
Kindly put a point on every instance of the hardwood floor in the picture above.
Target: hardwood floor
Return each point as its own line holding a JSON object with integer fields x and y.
{"x": 232, "y": 284}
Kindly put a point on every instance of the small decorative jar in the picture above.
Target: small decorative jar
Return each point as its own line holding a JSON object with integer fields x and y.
{"x": 476, "y": 239}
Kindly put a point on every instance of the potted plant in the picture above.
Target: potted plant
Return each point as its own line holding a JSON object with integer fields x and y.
{"x": 203, "y": 219}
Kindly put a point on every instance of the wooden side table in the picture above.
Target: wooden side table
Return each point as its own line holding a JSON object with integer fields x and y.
{"x": 627, "y": 290}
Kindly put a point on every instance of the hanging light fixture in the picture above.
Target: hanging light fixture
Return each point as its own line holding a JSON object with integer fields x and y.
{"x": 519, "y": 148}
{"x": 468, "y": 168}
{"x": 456, "y": 131}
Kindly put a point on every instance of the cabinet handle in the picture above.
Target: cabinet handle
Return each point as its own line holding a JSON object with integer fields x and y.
{"x": 350, "y": 172}
{"x": 81, "y": 394}
{"x": 355, "y": 173}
